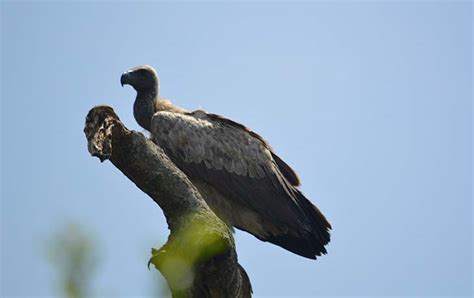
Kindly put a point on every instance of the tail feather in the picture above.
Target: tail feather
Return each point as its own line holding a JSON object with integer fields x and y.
{"x": 308, "y": 240}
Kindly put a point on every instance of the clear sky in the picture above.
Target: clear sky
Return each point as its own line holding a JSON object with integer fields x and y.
{"x": 369, "y": 101}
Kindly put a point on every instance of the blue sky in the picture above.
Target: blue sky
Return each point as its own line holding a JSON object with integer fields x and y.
{"x": 369, "y": 101}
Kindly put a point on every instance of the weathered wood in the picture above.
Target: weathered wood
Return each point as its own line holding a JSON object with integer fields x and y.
{"x": 199, "y": 258}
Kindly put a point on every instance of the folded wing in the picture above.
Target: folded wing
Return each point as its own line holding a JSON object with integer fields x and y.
{"x": 257, "y": 186}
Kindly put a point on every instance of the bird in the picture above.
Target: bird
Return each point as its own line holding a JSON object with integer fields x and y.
{"x": 236, "y": 171}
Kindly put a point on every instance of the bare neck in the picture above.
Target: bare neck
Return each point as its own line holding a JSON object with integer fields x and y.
{"x": 148, "y": 103}
{"x": 144, "y": 107}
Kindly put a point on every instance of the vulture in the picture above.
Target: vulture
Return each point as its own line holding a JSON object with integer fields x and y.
{"x": 236, "y": 171}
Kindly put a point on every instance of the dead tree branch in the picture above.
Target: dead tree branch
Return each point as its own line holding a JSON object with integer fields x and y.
{"x": 199, "y": 258}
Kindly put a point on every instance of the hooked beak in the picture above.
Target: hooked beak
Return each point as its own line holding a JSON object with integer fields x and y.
{"x": 125, "y": 78}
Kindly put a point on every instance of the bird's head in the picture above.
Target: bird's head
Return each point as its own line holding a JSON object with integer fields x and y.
{"x": 142, "y": 78}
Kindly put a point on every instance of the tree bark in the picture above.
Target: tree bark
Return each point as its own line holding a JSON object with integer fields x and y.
{"x": 199, "y": 258}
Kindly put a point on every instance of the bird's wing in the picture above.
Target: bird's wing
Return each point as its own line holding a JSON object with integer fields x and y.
{"x": 241, "y": 165}
{"x": 284, "y": 168}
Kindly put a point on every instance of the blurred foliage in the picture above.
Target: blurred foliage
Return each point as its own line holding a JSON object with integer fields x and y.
{"x": 72, "y": 253}
{"x": 195, "y": 242}
{"x": 158, "y": 285}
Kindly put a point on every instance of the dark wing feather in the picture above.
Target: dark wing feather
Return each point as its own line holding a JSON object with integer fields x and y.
{"x": 284, "y": 168}
{"x": 239, "y": 164}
